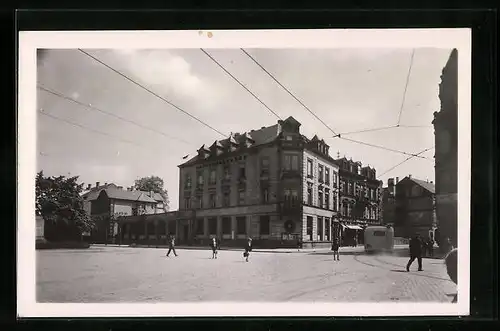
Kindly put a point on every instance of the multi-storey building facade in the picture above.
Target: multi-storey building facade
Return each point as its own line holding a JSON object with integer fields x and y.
{"x": 273, "y": 185}
{"x": 360, "y": 199}
{"x": 415, "y": 208}
{"x": 388, "y": 211}
{"x": 446, "y": 156}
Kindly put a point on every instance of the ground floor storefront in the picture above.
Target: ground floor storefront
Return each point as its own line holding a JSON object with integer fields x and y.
{"x": 267, "y": 225}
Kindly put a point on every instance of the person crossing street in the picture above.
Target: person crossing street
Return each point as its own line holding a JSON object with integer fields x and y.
{"x": 171, "y": 246}
{"x": 248, "y": 249}
{"x": 214, "y": 244}
{"x": 415, "y": 252}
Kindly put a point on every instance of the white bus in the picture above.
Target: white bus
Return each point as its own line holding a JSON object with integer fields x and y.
{"x": 379, "y": 239}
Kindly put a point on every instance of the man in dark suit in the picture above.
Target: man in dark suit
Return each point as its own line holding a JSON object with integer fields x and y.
{"x": 415, "y": 252}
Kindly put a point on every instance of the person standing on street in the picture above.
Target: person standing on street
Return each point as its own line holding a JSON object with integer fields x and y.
{"x": 335, "y": 249}
{"x": 415, "y": 252}
{"x": 214, "y": 245}
{"x": 171, "y": 246}
{"x": 248, "y": 249}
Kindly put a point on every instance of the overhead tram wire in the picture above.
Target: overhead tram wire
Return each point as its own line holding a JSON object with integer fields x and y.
{"x": 382, "y": 128}
{"x": 89, "y": 106}
{"x": 368, "y": 130}
{"x": 385, "y": 148}
{"x": 90, "y": 129}
{"x": 310, "y": 111}
{"x": 288, "y": 91}
{"x": 242, "y": 85}
{"x": 416, "y": 126}
{"x": 406, "y": 86}
{"x": 151, "y": 92}
{"x": 405, "y": 160}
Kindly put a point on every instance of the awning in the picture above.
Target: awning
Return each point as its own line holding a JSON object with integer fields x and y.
{"x": 353, "y": 227}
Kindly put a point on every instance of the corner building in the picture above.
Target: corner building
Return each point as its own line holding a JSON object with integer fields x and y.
{"x": 272, "y": 184}
{"x": 446, "y": 154}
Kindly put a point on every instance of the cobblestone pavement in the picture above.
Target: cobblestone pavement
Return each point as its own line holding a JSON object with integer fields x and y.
{"x": 113, "y": 274}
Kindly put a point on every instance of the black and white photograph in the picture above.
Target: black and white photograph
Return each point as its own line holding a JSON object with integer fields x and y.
{"x": 244, "y": 173}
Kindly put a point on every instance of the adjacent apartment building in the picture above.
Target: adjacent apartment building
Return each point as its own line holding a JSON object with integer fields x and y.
{"x": 415, "y": 208}
{"x": 360, "y": 199}
{"x": 446, "y": 141}
{"x": 388, "y": 215}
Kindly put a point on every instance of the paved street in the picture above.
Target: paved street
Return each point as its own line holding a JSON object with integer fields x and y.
{"x": 123, "y": 274}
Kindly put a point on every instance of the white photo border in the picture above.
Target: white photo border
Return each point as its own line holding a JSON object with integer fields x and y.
{"x": 30, "y": 41}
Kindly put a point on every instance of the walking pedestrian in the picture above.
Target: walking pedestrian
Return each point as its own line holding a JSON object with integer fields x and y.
{"x": 214, "y": 245}
{"x": 248, "y": 249}
{"x": 171, "y": 245}
{"x": 335, "y": 249}
{"x": 451, "y": 261}
{"x": 415, "y": 252}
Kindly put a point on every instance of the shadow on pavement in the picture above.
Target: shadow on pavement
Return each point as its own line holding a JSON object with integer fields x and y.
{"x": 399, "y": 270}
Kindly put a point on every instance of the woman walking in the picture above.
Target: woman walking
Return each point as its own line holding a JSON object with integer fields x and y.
{"x": 248, "y": 249}
{"x": 214, "y": 245}
{"x": 335, "y": 249}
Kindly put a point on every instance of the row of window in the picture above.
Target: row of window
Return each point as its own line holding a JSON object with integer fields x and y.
{"x": 241, "y": 226}
{"x": 323, "y": 198}
{"x": 212, "y": 178}
{"x": 354, "y": 189}
{"x": 369, "y": 212}
{"x": 322, "y": 226}
{"x": 226, "y": 200}
{"x": 356, "y": 168}
{"x": 323, "y": 173}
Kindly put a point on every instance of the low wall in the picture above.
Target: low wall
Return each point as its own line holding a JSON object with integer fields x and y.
{"x": 61, "y": 245}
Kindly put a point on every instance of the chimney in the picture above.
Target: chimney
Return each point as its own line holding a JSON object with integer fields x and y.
{"x": 105, "y": 184}
{"x": 120, "y": 187}
{"x": 409, "y": 176}
{"x": 89, "y": 186}
{"x": 397, "y": 180}
{"x": 151, "y": 193}
{"x": 97, "y": 184}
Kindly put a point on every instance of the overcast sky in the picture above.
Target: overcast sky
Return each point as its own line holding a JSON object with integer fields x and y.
{"x": 349, "y": 90}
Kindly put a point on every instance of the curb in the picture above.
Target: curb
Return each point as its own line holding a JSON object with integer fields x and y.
{"x": 221, "y": 249}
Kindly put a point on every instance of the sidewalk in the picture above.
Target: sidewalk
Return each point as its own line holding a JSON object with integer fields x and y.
{"x": 399, "y": 250}
{"x": 275, "y": 250}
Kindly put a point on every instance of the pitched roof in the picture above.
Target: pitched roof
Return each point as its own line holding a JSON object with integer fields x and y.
{"x": 157, "y": 197}
{"x": 93, "y": 193}
{"x": 259, "y": 137}
{"x": 426, "y": 185}
{"x": 113, "y": 192}
{"x": 140, "y": 196}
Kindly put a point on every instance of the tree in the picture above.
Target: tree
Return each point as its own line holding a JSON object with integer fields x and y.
{"x": 59, "y": 202}
{"x": 155, "y": 184}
